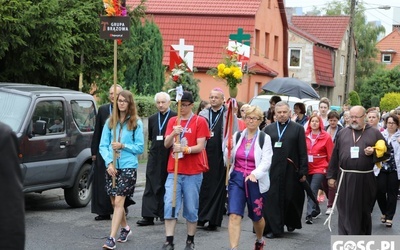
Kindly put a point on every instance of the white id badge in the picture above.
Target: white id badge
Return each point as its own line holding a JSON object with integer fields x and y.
{"x": 160, "y": 138}
{"x": 278, "y": 144}
{"x": 354, "y": 152}
{"x": 211, "y": 134}
{"x": 310, "y": 158}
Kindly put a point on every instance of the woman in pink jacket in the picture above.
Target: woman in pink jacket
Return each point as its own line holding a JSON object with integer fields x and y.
{"x": 319, "y": 150}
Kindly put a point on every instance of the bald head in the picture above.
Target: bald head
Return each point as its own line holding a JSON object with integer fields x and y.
{"x": 357, "y": 117}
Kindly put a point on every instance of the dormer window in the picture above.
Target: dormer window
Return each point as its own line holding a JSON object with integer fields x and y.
{"x": 387, "y": 58}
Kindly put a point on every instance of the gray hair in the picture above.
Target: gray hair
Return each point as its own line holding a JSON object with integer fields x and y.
{"x": 281, "y": 104}
{"x": 162, "y": 94}
{"x": 118, "y": 87}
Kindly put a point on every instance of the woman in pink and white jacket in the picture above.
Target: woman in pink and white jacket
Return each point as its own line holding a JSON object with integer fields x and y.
{"x": 319, "y": 150}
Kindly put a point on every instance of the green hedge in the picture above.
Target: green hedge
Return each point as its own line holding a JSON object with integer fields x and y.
{"x": 146, "y": 106}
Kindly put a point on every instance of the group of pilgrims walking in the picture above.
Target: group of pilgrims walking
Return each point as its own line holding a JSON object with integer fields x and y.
{"x": 273, "y": 158}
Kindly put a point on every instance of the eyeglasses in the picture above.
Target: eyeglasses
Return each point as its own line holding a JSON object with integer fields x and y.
{"x": 185, "y": 105}
{"x": 248, "y": 118}
{"x": 356, "y": 117}
{"x": 123, "y": 101}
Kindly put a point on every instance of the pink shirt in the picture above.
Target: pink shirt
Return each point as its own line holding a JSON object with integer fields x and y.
{"x": 242, "y": 163}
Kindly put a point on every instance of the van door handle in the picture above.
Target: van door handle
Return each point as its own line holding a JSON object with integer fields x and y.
{"x": 63, "y": 144}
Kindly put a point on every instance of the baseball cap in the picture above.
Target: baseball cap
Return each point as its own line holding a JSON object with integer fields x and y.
{"x": 187, "y": 96}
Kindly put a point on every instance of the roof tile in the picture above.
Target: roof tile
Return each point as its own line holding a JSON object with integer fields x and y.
{"x": 323, "y": 66}
{"x": 209, "y": 39}
{"x": 330, "y": 29}
{"x": 200, "y": 7}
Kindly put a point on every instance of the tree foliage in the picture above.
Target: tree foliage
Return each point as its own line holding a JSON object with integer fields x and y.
{"x": 145, "y": 74}
{"x": 390, "y": 101}
{"x": 381, "y": 82}
{"x": 354, "y": 99}
{"x": 13, "y": 31}
{"x": 55, "y": 34}
{"x": 52, "y": 41}
{"x": 181, "y": 75}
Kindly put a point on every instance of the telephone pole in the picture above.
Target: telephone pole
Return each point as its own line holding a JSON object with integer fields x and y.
{"x": 349, "y": 51}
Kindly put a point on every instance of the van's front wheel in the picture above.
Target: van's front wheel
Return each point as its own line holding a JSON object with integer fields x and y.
{"x": 80, "y": 194}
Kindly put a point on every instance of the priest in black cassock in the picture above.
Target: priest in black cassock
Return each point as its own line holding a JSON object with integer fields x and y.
{"x": 156, "y": 169}
{"x": 289, "y": 167}
{"x": 12, "y": 209}
{"x": 101, "y": 203}
{"x": 352, "y": 166}
{"x": 213, "y": 189}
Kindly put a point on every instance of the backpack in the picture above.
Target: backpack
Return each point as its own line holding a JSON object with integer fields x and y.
{"x": 261, "y": 138}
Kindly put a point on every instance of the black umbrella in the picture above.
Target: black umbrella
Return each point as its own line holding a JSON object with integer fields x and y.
{"x": 291, "y": 87}
{"x": 306, "y": 186}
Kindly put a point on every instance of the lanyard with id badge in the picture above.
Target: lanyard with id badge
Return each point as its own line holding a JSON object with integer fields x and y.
{"x": 212, "y": 124}
{"x": 183, "y": 140}
{"x": 355, "y": 151}
{"x": 160, "y": 137}
{"x": 313, "y": 142}
{"x": 278, "y": 144}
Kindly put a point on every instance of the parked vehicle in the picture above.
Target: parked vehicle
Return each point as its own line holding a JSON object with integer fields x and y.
{"x": 54, "y": 127}
{"x": 311, "y": 105}
{"x": 263, "y": 101}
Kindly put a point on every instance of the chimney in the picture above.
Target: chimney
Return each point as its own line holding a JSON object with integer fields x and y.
{"x": 395, "y": 26}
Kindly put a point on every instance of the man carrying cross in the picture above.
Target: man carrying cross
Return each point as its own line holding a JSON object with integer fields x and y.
{"x": 192, "y": 162}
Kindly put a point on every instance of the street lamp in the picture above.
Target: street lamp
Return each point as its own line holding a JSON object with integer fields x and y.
{"x": 350, "y": 43}
{"x": 383, "y": 7}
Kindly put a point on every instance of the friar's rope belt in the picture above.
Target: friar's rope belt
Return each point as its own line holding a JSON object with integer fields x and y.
{"x": 328, "y": 220}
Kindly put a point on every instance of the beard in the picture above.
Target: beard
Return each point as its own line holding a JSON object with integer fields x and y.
{"x": 355, "y": 126}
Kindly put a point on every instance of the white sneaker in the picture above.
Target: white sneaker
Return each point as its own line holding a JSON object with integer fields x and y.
{"x": 328, "y": 211}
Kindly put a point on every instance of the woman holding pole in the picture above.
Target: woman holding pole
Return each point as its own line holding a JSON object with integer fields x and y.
{"x": 126, "y": 145}
{"x": 186, "y": 134}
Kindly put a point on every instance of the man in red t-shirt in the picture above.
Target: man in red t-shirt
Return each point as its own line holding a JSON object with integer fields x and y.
{"x": 192, "y": 162}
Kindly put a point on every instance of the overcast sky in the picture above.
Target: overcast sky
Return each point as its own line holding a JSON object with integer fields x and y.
{"x": 386, "y": 17}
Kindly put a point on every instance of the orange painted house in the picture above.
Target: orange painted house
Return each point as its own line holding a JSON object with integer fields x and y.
{"x": 389, "y": 49}
{"x": 207, "y": 25}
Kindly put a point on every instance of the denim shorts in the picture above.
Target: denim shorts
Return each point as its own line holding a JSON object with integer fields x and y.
{"x": 241, "y": 193}
{"x": 125, "y": 182}
{"x": 187, "y": 192}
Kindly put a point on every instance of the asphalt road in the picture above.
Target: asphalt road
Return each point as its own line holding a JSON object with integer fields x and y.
{"x": 52, "y": 224}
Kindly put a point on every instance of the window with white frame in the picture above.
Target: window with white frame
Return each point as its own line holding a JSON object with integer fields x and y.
{"x": 387, "y": 58}
{"x": 294, "y": 58}
{"x": 342, "y": 64}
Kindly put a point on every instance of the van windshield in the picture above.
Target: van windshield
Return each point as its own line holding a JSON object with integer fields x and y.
{"x": 263, "y": 103}
{"x": 13, "y": 109}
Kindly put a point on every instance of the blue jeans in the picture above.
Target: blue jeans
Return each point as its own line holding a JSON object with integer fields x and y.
{"x": 315, "y": 181}
{"x": 187, "y": 192}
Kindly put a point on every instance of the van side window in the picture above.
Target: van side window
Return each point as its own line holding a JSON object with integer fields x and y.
{"x": 48, "y": 118}
{"x": 84, "y": 115}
